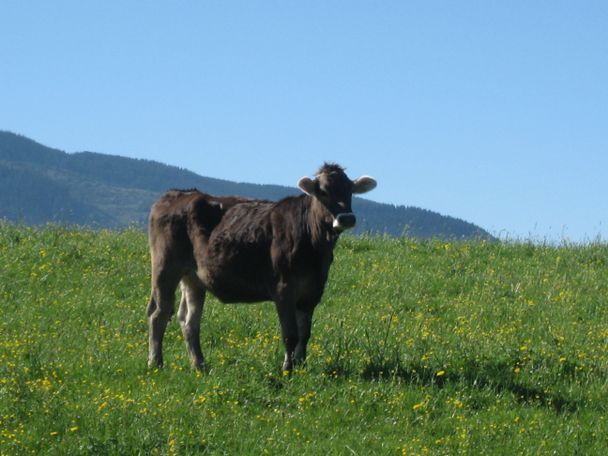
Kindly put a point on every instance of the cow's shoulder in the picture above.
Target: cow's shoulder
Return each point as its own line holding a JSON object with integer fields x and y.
{"x": 290, "y": 211}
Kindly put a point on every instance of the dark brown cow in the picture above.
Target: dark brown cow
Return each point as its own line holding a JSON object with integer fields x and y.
{"x": 245, "y": 250}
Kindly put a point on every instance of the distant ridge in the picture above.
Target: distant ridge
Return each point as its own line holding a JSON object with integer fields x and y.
{"x": 39, "y": 184}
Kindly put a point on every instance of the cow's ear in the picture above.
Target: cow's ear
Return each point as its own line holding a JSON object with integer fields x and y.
{"x": 307, "y": 185}
{"x": 364, "y": 184}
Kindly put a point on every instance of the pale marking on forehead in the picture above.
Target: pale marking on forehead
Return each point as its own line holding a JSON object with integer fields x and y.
{"x": 330, "y": 168}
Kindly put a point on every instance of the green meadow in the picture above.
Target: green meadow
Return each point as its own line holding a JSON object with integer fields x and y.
{"x": 419, "y": 347}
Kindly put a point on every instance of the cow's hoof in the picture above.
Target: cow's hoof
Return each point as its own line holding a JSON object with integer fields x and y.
{"x": 155, "y": 363}
{"x": 200, "y": 367}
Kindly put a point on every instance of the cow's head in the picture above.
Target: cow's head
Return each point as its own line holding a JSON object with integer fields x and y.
{"x": 334, "y": 190}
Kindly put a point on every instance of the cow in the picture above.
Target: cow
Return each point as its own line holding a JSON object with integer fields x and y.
{"x": 246, "y": 250}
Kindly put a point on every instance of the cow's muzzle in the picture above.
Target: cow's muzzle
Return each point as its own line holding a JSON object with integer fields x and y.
{"x": 344, "y": 221}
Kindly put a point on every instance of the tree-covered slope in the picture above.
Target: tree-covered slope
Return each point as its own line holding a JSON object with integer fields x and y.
{"x": 39, "y": 184}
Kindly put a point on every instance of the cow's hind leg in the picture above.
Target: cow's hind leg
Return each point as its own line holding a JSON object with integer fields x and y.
{"x": 160, "y": 309}
{"x": 189, "y": 317}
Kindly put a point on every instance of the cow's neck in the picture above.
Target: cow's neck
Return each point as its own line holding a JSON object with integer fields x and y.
{"x": 320, "y": 223}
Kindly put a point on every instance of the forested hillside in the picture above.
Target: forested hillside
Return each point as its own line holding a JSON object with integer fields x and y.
{"x": 39, "y": 184}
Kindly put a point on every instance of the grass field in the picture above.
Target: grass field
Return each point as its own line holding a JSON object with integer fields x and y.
{"x": 418, "y": 348}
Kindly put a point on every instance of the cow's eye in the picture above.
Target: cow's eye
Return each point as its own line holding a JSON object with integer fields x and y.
{"x": 323, "y": 193}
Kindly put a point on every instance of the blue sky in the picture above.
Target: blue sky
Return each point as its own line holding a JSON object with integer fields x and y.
{"x": 494, "y": 112}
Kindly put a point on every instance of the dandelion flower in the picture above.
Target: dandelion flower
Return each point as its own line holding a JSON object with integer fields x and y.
{"x": 419, "y": 405}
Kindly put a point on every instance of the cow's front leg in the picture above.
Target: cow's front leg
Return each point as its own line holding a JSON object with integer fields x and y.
{"x": 304, "y": 323}
{"x": 289, "y": 331}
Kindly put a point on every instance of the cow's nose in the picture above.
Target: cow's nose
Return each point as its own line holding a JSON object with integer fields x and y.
{"x": 345, "y": 221}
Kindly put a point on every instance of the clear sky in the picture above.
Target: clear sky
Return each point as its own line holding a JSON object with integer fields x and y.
{"x": 495, "y": 112}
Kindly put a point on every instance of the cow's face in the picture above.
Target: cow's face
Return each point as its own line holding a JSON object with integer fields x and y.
{"x": 334, "y": 190}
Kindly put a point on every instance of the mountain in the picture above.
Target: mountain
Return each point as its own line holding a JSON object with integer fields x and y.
{"x": 39, "y": 184}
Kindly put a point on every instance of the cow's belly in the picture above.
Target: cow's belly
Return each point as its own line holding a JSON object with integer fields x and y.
{"x": 243, "y": 276}
{"x": 232, "y": 289}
